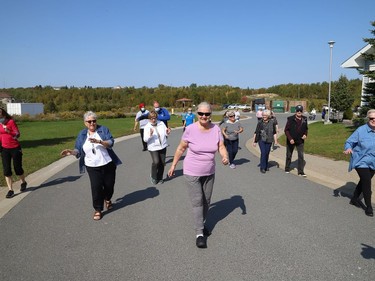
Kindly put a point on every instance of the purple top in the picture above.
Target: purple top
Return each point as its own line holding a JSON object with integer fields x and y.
{"x": 202, "y": 146}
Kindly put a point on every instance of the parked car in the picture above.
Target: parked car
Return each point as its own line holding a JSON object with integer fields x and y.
{"x": 233, "y": 106}
{"x": 225, "y": 105}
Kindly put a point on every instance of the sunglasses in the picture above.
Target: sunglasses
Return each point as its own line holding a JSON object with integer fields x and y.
{"x": 231, "y": 116}
{"x": 298, "y": 110}
{"x": 371, "y": 118}
{"x": 204, "y": 113}
{"x": 91, "y": 121}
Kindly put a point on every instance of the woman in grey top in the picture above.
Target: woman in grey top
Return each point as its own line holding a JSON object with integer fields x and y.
{"x": 265, "y": 134}
{"x": 230, "y": 129}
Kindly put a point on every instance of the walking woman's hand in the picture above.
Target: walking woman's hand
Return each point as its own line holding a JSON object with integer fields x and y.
{"x": 67, "y": 152}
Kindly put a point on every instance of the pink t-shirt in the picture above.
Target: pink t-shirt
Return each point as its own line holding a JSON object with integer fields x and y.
{"x": 202, "y": 147}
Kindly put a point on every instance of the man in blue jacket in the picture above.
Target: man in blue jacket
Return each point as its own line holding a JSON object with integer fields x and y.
{"x": 163, "y": 114}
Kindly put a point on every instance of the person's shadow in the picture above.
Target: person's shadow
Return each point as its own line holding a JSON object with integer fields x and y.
{"x": 221, "y": 209}
{"x": 135, "y": 197}
{"x": 56, "y": 182}
{"x": 368, "y": 252}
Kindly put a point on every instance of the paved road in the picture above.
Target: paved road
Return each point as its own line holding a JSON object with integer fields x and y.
{"x": 265, "y": 227}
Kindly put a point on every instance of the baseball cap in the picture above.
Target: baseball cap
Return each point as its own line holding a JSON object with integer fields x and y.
{"x": 299, "y": 108}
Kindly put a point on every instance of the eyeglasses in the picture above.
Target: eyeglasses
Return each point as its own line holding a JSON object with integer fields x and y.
{"x": 153, "y": 118}
{"x": 91, "y": 121}
{"x": 371, "y": 118}
{"x": 204, "y": 113}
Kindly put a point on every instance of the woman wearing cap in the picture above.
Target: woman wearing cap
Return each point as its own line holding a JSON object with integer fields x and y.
{"x": 141, "y": 118}
{"x": 361, "y": 147}
{"x": 203, "y": 139}
{"x": 93, "y": 147}
{"x": 11, "y": 150}
{"x": 265, "y": 135}
{"x": 231, "y": 130}
{"x": 155, "y": 136}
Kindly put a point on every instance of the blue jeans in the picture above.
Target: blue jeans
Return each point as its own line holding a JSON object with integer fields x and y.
{"x": 232, "y": 148}
{"x": 265, "y": 148}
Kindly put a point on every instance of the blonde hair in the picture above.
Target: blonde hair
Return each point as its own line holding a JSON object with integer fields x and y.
{"x": 266, "y": 112}
{"x": 153, "y": 113}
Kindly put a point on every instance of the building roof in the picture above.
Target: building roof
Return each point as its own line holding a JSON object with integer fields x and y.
{"x": 5, "y": 95}
{"x": 357, "y": 60}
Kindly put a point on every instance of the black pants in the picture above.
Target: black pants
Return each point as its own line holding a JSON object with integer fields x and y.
{"x": 7, "y": 155}
{"x": 158, "y": 163}
{"x": 141, "y": 131}
{"x": 289, "y": 153}
{"x": 364, "y": 185}
{"x": 102, "y": 180}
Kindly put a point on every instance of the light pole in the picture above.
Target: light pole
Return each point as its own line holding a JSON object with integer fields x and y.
{"x": 327, "y": 121}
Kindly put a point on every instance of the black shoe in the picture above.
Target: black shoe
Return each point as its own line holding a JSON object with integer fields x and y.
{"x": 369, "y": 212}
{"x": 10, "y": 194}
{"x": 145, "y": 149}
{"x": 302, "y": 174}
{"x": 355, "y": 202}
{"x": 262, "y": 171}
{"x": 23, "y": 186}
{"x": 201, "y": 242}
{"x": 206, "y": 232}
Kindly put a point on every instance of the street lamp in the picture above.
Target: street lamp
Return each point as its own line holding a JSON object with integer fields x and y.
{"x": 327, "y": 121}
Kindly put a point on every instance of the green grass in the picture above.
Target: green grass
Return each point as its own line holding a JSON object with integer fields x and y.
{"x": 326, "y": 140}
{"x": 42, "y": 141}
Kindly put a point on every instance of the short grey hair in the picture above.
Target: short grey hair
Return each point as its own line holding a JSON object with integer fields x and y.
{"x": 266, "y": 112}
{"x": 370, "y": 111}
{"x": 89, "y": 114}
{"x": 204, "y": 104}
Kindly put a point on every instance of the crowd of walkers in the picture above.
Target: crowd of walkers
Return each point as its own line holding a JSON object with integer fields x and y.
{"x": 201, "y": 140}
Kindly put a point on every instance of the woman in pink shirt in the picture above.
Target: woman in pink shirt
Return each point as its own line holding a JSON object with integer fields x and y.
{"x": 203, "y": 139}
{"x": 11, "y": 149}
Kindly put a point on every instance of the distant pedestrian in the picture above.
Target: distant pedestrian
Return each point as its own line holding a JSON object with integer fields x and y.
{"x": 259, "y": 114}
{"x": 141, "y": 118}
{"x": 237, "y": 114}
{"x": 11, "y": 150}
{"x": 361, "y": 145}
{"x": 265, "y": 135}
{"x": 296, "y": 132}
{"x": 225, "y": 118}
{"x": 183, "y": 116}
{"x": 163, "y": 113}
{"x": 94, "y": 148}
{"x": 156, "y": 137}
{"x": 189, "y": 118}
{"x": 231, "y": 130}
{"x": 203, "y": 139}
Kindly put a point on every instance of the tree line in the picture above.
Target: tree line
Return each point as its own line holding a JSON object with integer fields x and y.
{"x": 128, "y": 98}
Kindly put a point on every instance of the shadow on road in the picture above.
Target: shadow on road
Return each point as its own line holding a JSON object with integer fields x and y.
{"x": 345, "y": 190}
{"x": 135, "y": 197}
{"x": 221, "y": 209}
{"x": 58, "y": 181}
{"x": 368, "y": 252}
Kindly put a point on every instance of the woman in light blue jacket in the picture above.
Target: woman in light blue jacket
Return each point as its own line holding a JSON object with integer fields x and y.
{"x": 361, "y": 146}
{"x": 93, "y": 147}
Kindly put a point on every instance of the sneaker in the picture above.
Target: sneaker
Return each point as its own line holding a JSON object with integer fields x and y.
{"x": 232, "y": 166}
{"x": 153, "y": 181}
{"x": 10, "y": 194}
{"x": 302, "y": 174}
{"x": 287, "y": 171}
{"x": 23, "y": 186}
{"x": 161, "y": 182}
{"x": 201, "y": 242}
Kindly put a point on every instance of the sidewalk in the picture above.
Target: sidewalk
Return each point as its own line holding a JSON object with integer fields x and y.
{"x": 327, "y": 172}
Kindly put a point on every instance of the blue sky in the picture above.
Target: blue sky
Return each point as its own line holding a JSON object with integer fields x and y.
{"x": 241, "y": 43}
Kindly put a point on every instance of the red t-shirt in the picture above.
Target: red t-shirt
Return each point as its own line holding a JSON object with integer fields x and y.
{"x": 9, "y": 133}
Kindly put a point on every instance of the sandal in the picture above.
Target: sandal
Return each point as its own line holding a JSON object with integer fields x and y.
{"x": 108, "y": 204}
{"x": 97, "y": 215}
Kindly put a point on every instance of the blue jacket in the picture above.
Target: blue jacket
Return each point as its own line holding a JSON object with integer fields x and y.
{"x": 362, "y": 143}
{"x": 163, "y": 115}
{"x": 105, "y": 135}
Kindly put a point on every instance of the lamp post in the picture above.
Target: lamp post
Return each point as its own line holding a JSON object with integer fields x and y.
{"x": 327, "y": 121}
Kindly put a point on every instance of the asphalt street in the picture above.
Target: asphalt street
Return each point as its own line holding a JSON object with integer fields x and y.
{"x": 269, "y": 226}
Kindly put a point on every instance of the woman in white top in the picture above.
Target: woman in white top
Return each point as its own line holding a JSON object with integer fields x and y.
{"x": 155, "y": 134}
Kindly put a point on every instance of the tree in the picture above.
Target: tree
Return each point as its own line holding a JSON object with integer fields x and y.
{"x": 369, "y": 90}
{"x": 341, "y": 98}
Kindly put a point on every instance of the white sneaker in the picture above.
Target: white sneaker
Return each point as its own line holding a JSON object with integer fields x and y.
{"x": 232, "y": 166}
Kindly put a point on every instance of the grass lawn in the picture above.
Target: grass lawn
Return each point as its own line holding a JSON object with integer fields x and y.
{"x": 42, "y": 141}
{"x": 326, "y": 140}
